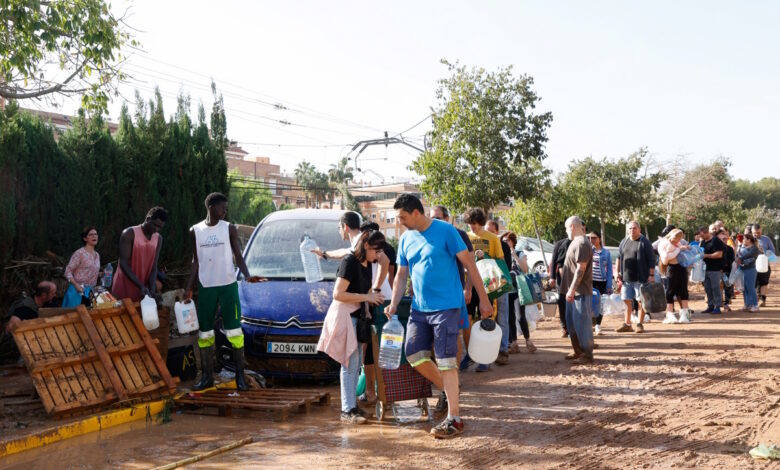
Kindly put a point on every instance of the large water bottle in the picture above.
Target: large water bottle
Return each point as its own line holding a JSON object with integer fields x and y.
{"x": 390, "y": 344}
{"x": 108, "y": 276}
{"x": 311, "y": 262}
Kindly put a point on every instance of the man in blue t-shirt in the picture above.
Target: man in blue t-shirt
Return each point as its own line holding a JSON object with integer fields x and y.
{"x": 429, "y": 249}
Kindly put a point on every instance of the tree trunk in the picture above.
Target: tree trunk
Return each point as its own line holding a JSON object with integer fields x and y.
{"x": 541, "y": 246}
{"x": 603, "y": 231}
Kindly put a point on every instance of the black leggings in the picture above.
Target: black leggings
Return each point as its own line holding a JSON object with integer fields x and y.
{"x": 678, "y": 283}
{"x": 524, "y": 323}
{"x": 562, "y": 310}
{"x": 600, "y": 286}
{"x": 512, "y": 318}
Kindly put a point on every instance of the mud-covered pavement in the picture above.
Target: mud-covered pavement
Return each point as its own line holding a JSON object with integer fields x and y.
{"x": 679, "y": 396}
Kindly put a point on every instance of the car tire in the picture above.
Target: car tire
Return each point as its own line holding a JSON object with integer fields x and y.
{"x": 539, "y": 268}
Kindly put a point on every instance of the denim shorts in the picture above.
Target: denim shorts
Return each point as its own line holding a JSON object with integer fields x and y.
{"x": 433, "y": 330}
{"x": 630, "y": 290}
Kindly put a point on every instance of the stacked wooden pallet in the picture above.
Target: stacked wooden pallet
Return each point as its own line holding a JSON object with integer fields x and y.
{"x": 87, "y": 360}
{"x": 277, "y": 401}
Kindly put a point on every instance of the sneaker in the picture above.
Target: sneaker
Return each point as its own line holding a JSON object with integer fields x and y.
{"x": 447, "y": 429}
{"x": 514, "y": 348}
{"x": 352, "y": 417}
{"x": 640, "y": 328}
{"x": 441, "y": 406}
{"x": 530, "y": 346}
{"x": 709, "y": 310}
{"x": 624, "y": 329}
{"x": 670, "y": 318}
{"x": 715, "y": 311}
{"x": 483, "y": 367}
{"x": 647, "y": 318}
{"x": 503, "y": 358}
{"x": 597, "y": 330}
{"x": 685, "y": 316}
{"x": 466, "y": 362}
{"x": 753, "y": 309}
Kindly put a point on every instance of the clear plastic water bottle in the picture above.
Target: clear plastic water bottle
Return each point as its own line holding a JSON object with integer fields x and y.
{"x": 108, "y": 276}
{"x": 311, "y": 262}
{"x": 390, "y": 344}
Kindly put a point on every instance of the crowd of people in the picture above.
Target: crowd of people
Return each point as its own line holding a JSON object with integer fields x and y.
{"x": 448, "y": 294}
{"x": 435, "y": 264}
{"x": 216, "y": 255}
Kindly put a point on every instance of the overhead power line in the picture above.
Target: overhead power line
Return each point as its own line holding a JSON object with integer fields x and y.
{"x": 290, "y": 106}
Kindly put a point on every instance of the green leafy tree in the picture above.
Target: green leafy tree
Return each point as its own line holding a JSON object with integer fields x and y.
{"x": 61, "y": 48}
{"x": 613, "y": 191}
{"x": 487, "y": 142}
{"x": 689, "y": 189}
{"x": 248, "y": 204}
{"x": 54, "y": 188}
{"x": 340, "y": 175}
{"x": 698, "y": 195}
{"x": 305, "y": 174}
{"x": 540, "y": 216}
{"x": 321, "y": 189}
{"x": 765, "y": 191}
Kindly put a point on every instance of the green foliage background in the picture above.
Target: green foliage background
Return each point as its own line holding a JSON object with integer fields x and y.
{"x": 52, "y": 189}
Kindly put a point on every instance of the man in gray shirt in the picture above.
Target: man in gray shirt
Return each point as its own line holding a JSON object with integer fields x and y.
{"x": 636, "y": 264}
{"x": 577, "y": 282}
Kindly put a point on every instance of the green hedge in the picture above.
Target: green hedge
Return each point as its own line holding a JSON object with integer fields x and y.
{"x": 51, "y": 189}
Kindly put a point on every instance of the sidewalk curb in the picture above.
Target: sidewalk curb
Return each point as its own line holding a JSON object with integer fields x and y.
{"x": 91, "y": 424}
{"x": 79, "y": 428}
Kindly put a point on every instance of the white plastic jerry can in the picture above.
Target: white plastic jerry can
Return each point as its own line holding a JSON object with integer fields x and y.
{"x": 762, "y": 263}
{"x": 186, "y": 317}
{"x": 149, "y": 313}
{"x": 485, "y": 341}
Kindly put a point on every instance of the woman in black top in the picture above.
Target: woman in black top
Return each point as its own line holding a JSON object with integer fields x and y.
{"x": 353, "y": 285}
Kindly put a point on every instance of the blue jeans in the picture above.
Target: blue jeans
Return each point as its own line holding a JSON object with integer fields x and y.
{"x": 578, "y": 320}
{"x": 751, "y": 298}
{"x": 349, "y": 377}
{"x": 502, "y": 318}
{"x": 712, "y": 288}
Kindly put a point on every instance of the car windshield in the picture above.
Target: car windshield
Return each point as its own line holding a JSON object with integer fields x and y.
{"x": 275, "y": 253}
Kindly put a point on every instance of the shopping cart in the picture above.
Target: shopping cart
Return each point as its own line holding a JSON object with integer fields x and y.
{"x": 403, "y": 383}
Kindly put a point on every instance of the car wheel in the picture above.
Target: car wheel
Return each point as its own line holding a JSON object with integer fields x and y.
{"x": 539, "y": 268}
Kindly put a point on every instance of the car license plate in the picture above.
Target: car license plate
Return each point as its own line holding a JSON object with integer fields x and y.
{"x": 291, "y": 348}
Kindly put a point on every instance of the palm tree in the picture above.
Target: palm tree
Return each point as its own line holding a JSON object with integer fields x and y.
{"x": 340, "y": 174}
{"x": 304, "y": 177}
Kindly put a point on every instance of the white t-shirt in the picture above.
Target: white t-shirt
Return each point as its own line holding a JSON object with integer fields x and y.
{"x": 215, "y": 258}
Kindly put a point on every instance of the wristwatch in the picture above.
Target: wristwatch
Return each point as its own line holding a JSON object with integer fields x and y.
{"x": 325, "y": 255}
{"x": 376, "y": 290}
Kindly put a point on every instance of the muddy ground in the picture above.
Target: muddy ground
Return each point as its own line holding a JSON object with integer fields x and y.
{"x": 678, "y": 396}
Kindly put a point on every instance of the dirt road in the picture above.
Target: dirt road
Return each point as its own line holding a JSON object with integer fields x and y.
{"x": 679, "y": 396}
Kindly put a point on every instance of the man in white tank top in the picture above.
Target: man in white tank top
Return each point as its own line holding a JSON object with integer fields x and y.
{"x": 215, "y": 245}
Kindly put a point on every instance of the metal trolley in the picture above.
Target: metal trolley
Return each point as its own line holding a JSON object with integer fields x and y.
{"x": 401, "y": 384}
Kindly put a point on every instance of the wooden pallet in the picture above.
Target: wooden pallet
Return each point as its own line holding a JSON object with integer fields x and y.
{"x": 85, "y": 360}
{"x": 279, "y": 401}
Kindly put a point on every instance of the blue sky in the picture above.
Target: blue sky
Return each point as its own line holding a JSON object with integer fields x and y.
{"x": 698, "y": 79}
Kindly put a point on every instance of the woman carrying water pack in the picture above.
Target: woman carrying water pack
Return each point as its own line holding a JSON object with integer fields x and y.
{"x": 668, "y": 249}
